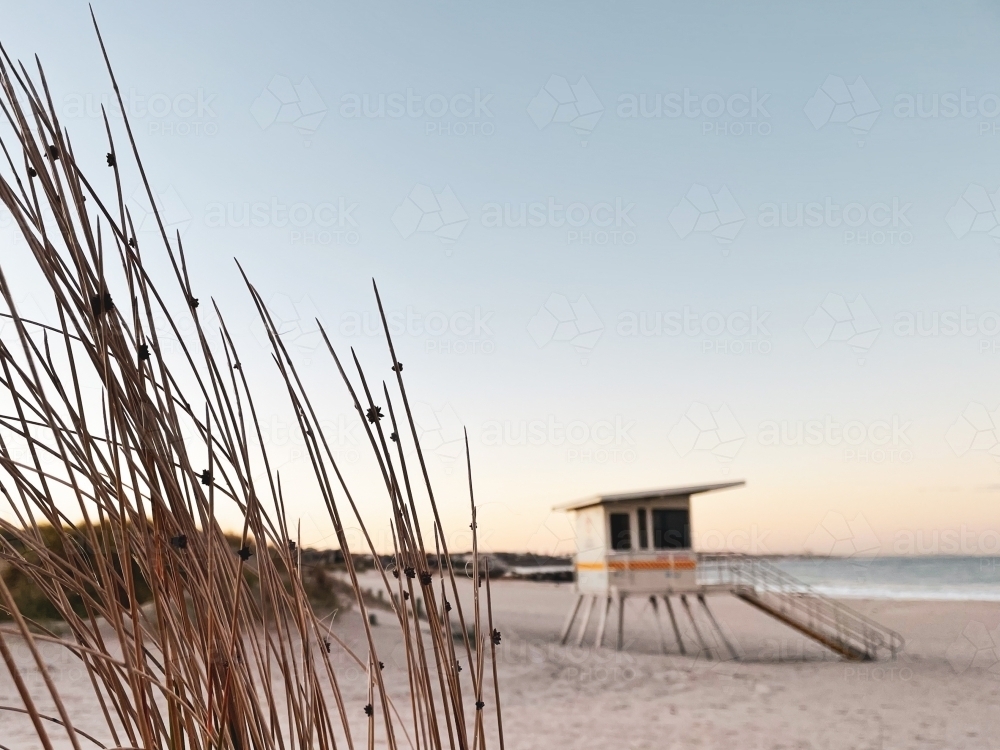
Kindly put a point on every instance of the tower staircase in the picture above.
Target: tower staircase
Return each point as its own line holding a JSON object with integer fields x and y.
{"x": 827, "y": 621}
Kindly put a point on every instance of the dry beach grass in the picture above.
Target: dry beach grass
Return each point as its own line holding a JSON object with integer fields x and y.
{"x": 115, "y": 458}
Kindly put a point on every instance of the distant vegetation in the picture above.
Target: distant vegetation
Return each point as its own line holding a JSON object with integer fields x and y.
{"x": 325, "y": 589}
{"x": 29, "y": 597}
{"x": 73, "y": 550}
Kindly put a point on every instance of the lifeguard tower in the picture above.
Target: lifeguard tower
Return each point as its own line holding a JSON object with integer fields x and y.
{"x": 638, "y": 544}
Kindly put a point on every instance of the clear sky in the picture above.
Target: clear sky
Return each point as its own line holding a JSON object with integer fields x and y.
{"x": 626, "y": 245}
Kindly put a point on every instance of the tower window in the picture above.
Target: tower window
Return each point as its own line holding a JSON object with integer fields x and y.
{"x": 671, "y": 529}
{"x": 621, "y": 532}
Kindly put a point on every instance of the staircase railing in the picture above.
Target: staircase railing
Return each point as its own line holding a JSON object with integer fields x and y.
{"x": 755, "y": 577}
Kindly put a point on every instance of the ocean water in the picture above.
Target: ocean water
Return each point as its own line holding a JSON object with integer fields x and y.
{"x": 929, "y": 578}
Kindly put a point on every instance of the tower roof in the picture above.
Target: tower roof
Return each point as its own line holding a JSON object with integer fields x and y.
{"x": 648, "y": 495}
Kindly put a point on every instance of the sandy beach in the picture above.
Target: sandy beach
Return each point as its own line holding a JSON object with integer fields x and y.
{"x": 783, "y": 692}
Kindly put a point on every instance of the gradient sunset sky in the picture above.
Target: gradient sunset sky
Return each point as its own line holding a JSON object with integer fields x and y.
{"x": 626, "y": 246}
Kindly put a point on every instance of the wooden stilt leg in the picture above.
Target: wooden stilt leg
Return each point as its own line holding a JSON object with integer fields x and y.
{"x": 659, "y": 625}
{"x": 732, "y": 651}
{"x": 621, "y": 621}
{"x": 673, "y": 622}
{"x": 602, "y": 623}
{"x": 697, "y": 632}
{"x": 569, "y": 619}
{"x": 586, "y": 620}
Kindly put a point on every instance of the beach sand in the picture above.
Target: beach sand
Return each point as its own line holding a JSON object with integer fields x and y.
{"x": 943, "y": 691}
{"x": 785, "y": 691}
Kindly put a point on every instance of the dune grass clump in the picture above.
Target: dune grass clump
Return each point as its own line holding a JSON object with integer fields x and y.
{"x": 116, "y": 456}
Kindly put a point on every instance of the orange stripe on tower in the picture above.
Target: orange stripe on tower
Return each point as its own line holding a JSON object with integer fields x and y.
{"x": 639, "y": 565}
